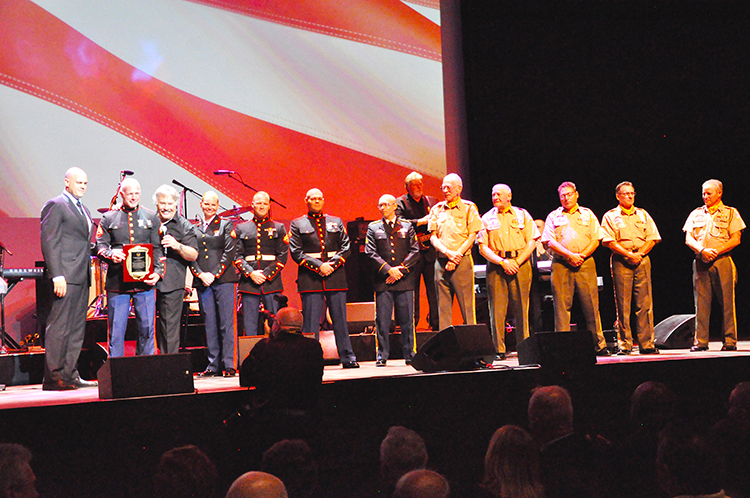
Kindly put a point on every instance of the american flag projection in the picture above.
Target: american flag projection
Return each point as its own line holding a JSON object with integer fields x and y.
{"x": 346, "y": 96}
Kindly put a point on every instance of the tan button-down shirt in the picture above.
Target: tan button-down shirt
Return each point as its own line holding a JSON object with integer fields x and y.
{"x": 573, "y": 230}
{"x": 454, "y": 224}
{"x": 712, "y": 230}
{"x": 509, "y": 230}
{"x": 631, "y": 230}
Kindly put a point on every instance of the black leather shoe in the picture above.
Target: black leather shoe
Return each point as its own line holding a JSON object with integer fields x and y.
{"x": 230, "y": 372}
{"x": 649, "y": 351}
{"x": 728, "y": 348}
{"x": 380, "y": 363}
{"x": 58, "y": 385}
{"x": 603, "y": 352}
{"x": 624, "y": 352}
{"x": 350, "y": 364}
{"x": 79, "y": 382}
{"x": 698, "y": 348}
{"x": 499, "y": 356}
{"x": 207, "y": 373}
{"x": 407, "y": 362}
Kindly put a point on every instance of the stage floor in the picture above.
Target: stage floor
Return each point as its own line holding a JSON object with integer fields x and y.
{"x": 33, "y": 396}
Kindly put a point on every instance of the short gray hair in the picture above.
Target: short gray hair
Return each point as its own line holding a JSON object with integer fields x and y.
{"x": 166, "y": 191}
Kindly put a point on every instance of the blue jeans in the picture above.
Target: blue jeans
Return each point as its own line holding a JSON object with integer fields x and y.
{"x": 118, "y": 309}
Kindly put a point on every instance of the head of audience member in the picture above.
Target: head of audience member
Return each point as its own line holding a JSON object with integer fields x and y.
{"x": 293, "y": 463}
{"x": 387, "y": 207}
{"x": 712, "y": 192}
{"x": 76, "y": 182}
{"x": 568, "y": 195}
{"x": 550, "y": 414}
{"x": 257, "y": 485}
{"x": 130, "y": 191}
{"x": 625, "y": 193}
{"x": 452, "y": 187}
{"x": 402, "y": 450}
{"x": 687, "y": 463}
{"x": 261, "y": 205}
{"x": 165, "y": 199}
{"x": 185, "y": 472}
{"x": 17, "y": 480}
{"x": 422, "y": 483}
{"x": 511, "y": 465}
{"x": 414, "y": 185}
{"x": 501, "y": 196}
{"x": 315, "y": 201}
{"x": 652, "y": 405}
{"x": 209, "y": 205}
{"x": 739, "y": 402}
{"x": 287, "y": 320}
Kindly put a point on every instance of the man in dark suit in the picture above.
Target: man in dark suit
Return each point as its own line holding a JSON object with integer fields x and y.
{"x": 66, "y": 247}
{"x": 319, "y": 244}
{"x": 392, "y": 244}
{"x": 414, "y": 207}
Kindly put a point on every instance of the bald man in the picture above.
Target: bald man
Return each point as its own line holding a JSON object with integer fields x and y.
{"x": 66, "y": 247}
{"x": 257, "y": 485}
{"x": 214, "y": 278}
{"x": 319, "y": 244}
{"x": 712, "y": 231}
{"x": 393, "y": 246}
{"x": 261, "y": 254}
{"x": 130, "y": 224}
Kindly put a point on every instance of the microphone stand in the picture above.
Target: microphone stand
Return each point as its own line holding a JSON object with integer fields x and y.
{"x": 119, "y": 185}
{"x": 239, "y": 180}
{"x": 186, "y": 189}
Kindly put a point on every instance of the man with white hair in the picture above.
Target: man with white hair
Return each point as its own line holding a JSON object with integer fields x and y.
{"x": 392, "y": 245}
{"x": 454, "y": 224}
{"x": 712, "y": 231}
{"x": 319, "y": 244}
{"x": 129, "y": 224}
{"x": 180, "y": 249}
{"x": 507, "y": 239}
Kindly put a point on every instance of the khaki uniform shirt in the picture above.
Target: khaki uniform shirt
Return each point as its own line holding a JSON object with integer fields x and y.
{"x": 713, "y": 229}
{"x": 454, "y": 224}
{"x": 573, "y": 230}
{"x": 631, "y": 230}
{"x": 510, "y": 230}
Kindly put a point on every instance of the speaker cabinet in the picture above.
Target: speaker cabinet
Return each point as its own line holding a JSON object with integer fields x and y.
{"x": 147, "y": 375}
{"x": 457, "y": 348}
{"x": 558, "y": 351}
{"x": 675, "y": 332}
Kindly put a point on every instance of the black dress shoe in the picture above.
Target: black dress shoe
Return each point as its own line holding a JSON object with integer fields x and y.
{"x": 500, "y": 357}
{"x": 230, "y": 372}
{"x": 350, "y": 364}
{"x": 698, "y": 348}
{"x": 603, "y": 352}
{"x": 624, "y": 352}
{"x": 728, "y": 348}
{"x": 58, "y": 385}
{"x": 649, "y": 351}
{"x": 407, "y": 361}
{"x": 207, "y": 373}
{"x": 79, "y": 382}
{"x": 380, "y": 363}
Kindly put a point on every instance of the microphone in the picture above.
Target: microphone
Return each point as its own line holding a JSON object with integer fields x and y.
{"x": 224, "y": 172}
{"x": 180, "y": 185}
{"x": 126, "y": 172}
{"x": 162, "y": 233}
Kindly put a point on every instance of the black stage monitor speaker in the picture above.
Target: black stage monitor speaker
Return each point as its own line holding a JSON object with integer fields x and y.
{"x": 457, "y": 348}
{"x": 558, "y": 351}
{"x": 675, "y": 332}
{"x": 147, "y": 375}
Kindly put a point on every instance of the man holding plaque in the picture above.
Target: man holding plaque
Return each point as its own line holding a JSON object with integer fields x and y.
{"x": 128, "y": 240}
{"x": 180, "y": 248}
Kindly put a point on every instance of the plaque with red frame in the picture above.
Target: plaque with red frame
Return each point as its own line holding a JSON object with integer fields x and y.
{"x": 139, "y": 262}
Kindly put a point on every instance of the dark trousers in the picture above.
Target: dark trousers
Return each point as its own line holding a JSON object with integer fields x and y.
{"x": 66, "y": 327}
{"x": 384, "y": 303}
{"x": 427, "y": 272}
{"x": 217, "y": 305}
{"x": 312, "y": 308}
{"x": 169, "y": 305}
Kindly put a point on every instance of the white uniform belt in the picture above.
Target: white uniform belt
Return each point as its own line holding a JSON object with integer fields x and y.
{"x": 321, "y": 255}
{"x": 263, "y": 257}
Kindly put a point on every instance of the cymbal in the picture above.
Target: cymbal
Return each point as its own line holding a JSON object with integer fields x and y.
{"x": 235, "y": 211}
{"x": 102, "y": 210}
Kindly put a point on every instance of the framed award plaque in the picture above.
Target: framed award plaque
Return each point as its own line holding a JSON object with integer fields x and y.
{"x": 139, "y": 262}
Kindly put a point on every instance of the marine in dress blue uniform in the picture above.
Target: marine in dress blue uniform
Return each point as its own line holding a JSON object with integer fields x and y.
{"x": 319, "y": 244}
{"x": 392, "y": 244}
{"x": 214, "y": 278}
{"x": 262, "y": 252}
{"x": 131, "y": 224}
